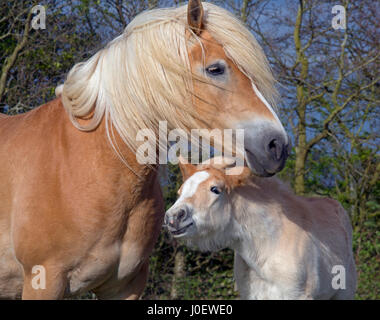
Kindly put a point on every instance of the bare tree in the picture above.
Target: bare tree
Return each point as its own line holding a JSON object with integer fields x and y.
{"x": 15, "y": 27}
{"x": 319, "y": 73}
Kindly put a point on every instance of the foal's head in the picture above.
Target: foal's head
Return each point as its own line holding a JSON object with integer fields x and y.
{"x": 203, "y": 210}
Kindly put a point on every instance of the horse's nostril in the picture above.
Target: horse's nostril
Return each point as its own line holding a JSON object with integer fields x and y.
{"x": 272, "y": 144}
{"x": 275, "y": 149}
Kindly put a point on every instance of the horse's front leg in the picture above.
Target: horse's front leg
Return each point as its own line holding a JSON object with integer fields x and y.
{"x": 134, "y": 288}
{"x": 44, "y": 282}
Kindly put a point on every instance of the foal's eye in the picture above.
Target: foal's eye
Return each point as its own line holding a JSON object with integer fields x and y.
{"x": 215, "y": 190}
{"x": 216, "y": 69}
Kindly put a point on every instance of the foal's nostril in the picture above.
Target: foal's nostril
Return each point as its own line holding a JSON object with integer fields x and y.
{"x": 181, "y": 215}
{"x": 275, "y": 148}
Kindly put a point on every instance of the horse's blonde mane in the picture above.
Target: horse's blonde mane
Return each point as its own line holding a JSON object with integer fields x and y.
{"x": 144, "y": 76}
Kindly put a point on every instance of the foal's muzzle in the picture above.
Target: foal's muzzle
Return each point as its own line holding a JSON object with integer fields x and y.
{"x": 178, "y": 220}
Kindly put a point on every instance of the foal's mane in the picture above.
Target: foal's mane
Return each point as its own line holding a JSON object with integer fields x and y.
{"x": 144, "y": 76}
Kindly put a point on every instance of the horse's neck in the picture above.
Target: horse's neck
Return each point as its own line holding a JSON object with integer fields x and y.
{"x": 99, "y": 147}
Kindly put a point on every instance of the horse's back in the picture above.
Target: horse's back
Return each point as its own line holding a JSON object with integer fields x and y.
{"x": 330, "y": 220}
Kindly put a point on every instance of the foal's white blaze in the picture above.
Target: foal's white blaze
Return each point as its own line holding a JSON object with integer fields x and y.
{"x": 191, "y": 185}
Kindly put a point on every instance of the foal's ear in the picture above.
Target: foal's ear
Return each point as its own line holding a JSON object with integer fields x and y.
{"x": 195, "y": 16}
{"x": 235, "y": 180}
{"x": 187, "y": 169}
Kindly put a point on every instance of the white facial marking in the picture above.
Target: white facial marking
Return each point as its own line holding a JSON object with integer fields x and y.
{"x": 191, "y": 185}
{"x": 261, "y": 97}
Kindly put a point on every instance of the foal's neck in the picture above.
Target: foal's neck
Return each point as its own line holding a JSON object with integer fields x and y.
{"x": 257, "y": 221}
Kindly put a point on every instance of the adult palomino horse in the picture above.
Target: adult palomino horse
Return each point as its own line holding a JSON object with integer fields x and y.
{"x": 75, "y": 205}
{"x": 286, "y": 246}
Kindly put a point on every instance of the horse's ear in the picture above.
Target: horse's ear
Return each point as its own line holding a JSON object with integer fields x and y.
{"x": 187, "y": 169}
{"x": 239, "y": 177}
{"x": 195, "y": 15}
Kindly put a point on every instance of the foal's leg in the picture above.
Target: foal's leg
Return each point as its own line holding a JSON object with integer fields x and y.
{"x": 48, "y": 285}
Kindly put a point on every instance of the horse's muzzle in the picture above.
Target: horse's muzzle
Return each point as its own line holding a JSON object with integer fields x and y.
{"x": 266, "y": 153}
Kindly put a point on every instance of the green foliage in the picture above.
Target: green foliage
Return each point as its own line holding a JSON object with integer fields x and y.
{"x": 367, "y": 252}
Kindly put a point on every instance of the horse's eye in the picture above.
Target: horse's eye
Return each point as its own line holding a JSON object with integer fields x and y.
{"x": 215, "y": 190}
{"x": 216, "y": 69}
